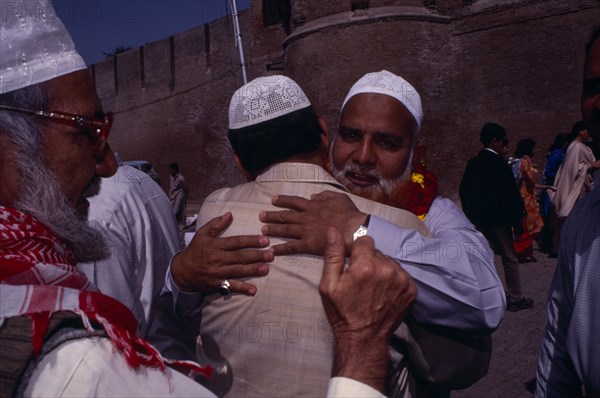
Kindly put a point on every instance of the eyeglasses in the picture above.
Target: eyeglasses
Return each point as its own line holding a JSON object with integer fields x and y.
{"x": 100, "y": 127}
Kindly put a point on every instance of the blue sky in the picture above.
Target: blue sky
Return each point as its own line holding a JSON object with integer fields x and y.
{"x": 99, "y": 26}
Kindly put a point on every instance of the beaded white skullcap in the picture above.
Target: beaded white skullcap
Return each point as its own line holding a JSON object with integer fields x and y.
{"x": 387, "y": 83}
{"x": 34, "y": 45}
{"x": 265, "y": 98}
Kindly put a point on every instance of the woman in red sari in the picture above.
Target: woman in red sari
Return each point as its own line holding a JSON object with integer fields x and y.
{"x": 526, "y": 177}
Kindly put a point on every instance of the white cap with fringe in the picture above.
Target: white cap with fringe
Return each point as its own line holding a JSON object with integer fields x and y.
{"x": 263, "y": 99}
{"x": 387, "y": 83}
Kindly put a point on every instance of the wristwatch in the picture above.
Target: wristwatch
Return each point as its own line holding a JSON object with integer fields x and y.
{"x": 362, "y": 230}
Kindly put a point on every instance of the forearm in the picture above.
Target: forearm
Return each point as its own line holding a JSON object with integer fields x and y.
{"x": 454, "y": 272}
{"x": 361, "y": 361}
{"x": 176, "y": 322}
{"x": 172, "y": 334}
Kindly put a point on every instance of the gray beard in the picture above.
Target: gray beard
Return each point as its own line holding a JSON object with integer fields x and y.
{"x": 391, "y": 192}
{"x": 378, "y": 193}
{"x": 42, "y": 198}
{"x": 382, "y": 192}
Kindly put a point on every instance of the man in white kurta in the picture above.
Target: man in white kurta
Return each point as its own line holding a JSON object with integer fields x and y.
{"x": 573, "y": 180}
{"x": 140, "y": 226}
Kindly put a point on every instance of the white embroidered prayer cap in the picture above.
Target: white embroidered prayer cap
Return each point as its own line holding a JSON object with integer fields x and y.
{"x": 34, "y": 45}
{"x": 263, "y": 99}
{"x": 384, "y": 82}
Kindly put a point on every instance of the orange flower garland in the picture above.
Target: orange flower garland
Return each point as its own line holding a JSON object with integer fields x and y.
{"x": 422, "y": 192}
{"x": 423, "y": 186}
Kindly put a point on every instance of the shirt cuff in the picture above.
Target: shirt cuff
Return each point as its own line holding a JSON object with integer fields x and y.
{"x": 340, "y": 387}
{"x": 182, "y": 299}
{"x": 385, "y": 234}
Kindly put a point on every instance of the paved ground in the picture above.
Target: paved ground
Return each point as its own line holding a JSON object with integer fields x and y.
{"x": 516, "y": 343}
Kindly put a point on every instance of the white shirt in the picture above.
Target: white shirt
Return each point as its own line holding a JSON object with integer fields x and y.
{"x": 92, "y": 368}
{"x": 138, "y": 218}
{"x": 573, "y": 180}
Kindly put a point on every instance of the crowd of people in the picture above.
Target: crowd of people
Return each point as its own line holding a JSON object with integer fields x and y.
{"x": 326, "y": 274}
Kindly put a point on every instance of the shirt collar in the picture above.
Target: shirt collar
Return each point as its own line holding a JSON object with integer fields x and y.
{"x": 298, "y": 172}
{"x": 491, "y": 150}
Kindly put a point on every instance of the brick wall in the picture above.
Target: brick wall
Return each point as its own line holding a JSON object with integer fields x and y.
{"x": 515, "y": 62}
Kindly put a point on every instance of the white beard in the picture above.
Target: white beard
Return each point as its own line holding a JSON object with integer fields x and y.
{"x": 42, "y": 198}
{"x": 382, "y": 192}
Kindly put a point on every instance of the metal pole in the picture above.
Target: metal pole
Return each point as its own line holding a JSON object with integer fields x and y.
{"x": 238, "y": 38}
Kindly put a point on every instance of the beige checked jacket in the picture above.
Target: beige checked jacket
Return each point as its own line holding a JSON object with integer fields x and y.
{"x": 278, "y": 343}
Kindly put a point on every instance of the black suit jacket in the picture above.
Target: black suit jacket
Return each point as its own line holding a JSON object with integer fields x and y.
{"x": 489, "y": 194}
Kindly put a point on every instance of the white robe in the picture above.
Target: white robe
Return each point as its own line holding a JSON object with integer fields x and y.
{"x": 573, "y": 180}
{"x": 140, "y": 226}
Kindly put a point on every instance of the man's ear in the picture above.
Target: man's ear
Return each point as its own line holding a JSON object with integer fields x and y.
{"x": 246, "y": 173}
{"x": 324, "y": 133}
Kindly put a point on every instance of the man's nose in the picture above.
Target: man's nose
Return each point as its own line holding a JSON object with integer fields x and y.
{"x": 106, "y": 163}
{"x": 365, "y": 153}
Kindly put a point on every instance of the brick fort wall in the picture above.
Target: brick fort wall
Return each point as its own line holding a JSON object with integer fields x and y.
{"x": 517, "y": 63}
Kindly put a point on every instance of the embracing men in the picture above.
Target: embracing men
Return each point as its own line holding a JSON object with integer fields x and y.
{"x": 59, "y": 335}
{"x": 281, "y": 145}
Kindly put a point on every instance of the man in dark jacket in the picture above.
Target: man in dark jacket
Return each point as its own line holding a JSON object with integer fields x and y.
{"x": 492, "y": 202}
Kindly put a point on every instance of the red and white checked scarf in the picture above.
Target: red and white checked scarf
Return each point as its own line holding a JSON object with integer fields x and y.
{"x": 38, "y": 277}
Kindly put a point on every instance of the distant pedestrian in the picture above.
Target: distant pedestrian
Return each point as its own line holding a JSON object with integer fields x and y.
{"x": 573, "y": 180}
{"x": 556, "y": 155}
{"x": 554, "y": 158}
{"x": 491, "y": 200}
{"x": 178, "y": 193}
{"x": 526, "y": 181}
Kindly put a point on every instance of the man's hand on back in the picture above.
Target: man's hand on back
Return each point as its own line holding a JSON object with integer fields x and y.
{"x": 306, "y": 222}
{"x": 208, "y": 260}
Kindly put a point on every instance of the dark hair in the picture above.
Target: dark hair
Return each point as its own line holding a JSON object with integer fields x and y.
{"x": 525, "y": 147}
{"x": 559, "y": 141}
{"x": 264, "y": 144}
{"x": 577, "y": 128}
{"x": 174, "y": 166}
{"x": 491, "y": 131}
{"x": 595, "y": 36}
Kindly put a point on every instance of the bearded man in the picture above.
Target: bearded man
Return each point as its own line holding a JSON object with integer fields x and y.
{"x": 375, "y": 155}
{"x": 59, "y": 335}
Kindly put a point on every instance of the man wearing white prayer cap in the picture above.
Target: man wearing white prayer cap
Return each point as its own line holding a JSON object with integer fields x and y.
{"x": 374, "y": 154}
